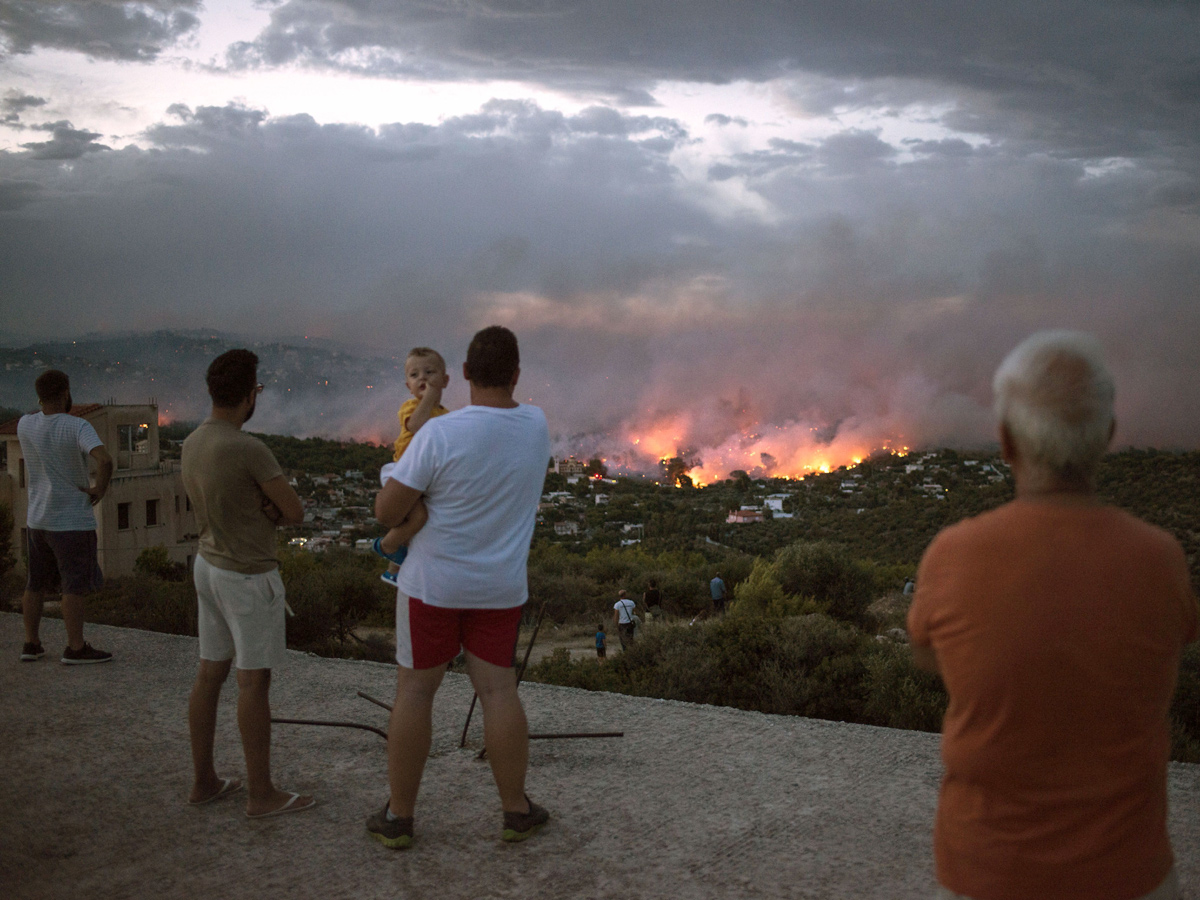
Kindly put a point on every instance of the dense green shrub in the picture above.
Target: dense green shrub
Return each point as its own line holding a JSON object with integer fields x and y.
{"x": 155, "y": 562}
{"x": 6, "y": 532}
{"x": 899, "y": 695}
{"x": 806, "y": 665}
{"x": 331, "y": 594}
{"x": 1185, "y": 708}
{"x": 830, "y": 575}
{"x": 146, "y": 602}
{"x": 579, "y": 587}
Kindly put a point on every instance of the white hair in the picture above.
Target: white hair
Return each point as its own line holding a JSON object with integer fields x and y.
{"x": 1055, "y": 395}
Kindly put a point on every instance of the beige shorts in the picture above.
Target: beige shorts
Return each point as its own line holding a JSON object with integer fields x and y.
{"x": 241, "y": 617}
{"x": 1168, "y": 890}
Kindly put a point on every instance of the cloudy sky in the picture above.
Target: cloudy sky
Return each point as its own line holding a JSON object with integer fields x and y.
{"x": 784, "y": 227}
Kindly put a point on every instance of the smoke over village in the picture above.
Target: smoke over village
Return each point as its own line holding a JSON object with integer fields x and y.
{"x": 772, "y": 241}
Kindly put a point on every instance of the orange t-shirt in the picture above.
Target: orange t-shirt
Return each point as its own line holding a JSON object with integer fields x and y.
{"x": 1058, "y": 631}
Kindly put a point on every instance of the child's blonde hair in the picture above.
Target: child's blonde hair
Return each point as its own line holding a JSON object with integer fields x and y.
{"x": 426, "y": 351}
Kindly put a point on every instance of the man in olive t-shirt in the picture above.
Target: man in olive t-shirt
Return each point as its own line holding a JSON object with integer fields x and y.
{"x": 240, "y": 495}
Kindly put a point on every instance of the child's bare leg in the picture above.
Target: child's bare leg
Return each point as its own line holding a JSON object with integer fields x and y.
{"x": 393, "y": 540}
{"x": 403, "y": 533}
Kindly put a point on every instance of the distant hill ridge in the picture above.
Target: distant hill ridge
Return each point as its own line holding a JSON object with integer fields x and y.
{"x": 320, "y": 387}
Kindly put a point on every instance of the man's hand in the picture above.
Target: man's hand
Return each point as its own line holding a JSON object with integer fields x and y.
{"x": 270, "y": 510}
{"x": 104, "y": 470}
{"x": 95, "y": 492}
{"x": 431, "y": 390}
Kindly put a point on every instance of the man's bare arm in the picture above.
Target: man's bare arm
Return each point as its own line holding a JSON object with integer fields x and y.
{"x": 104, "y": 470}
{"x": 394, "y": 502}
{"x": 284, "y": 500}
{"x": 925, "y": 658}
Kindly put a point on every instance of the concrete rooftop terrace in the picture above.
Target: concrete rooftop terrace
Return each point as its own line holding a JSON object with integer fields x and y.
{"x": 694, "y": 801}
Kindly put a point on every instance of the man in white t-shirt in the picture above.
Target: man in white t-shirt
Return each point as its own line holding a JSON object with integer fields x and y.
{"x": 623, "y": 618}
{"x": 463, "y": 584}
{"x": 61, "y": 528}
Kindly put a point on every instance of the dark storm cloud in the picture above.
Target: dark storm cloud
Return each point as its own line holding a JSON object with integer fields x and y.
{"x": 870, "y": 306}
{"x": 67, "y": 142}
{"x": 1092, "y": 77}
{"x": 136, "y": 30}
{"x": 16, "y": 194}
{"x": 14, "y": 103}
{"x": 102, "y": 29}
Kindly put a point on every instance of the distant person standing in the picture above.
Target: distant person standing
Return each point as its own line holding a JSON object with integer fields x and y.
{"x": 464, "y": 584}
{"x": 1057, "y": 624}
{"x": 240, "y": 494}
{"x": 909, "y": 587}
{"x": 61, "y": 527}
{"x": 716, "y": 587}
{"x": 624, "y": 619}
{"x": 601, "y": 642}
{"x": 652, "y": 599}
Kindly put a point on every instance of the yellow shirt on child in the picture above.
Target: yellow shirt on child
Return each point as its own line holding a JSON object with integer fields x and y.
{"x": 406, "y": 436}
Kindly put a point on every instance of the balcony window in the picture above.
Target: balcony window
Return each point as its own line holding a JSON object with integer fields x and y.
{"x": 123, "y": 516}
{"x": 131, "y": 439}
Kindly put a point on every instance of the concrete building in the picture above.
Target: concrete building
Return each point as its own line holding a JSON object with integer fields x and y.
{"x": 145, "y": 506}
{"x": 569, "y": 466}
{"x": 744, "y": 516}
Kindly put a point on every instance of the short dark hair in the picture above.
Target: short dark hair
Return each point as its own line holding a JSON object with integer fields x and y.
{"x": 493, "y": 357}
{"x": 51, "y": 385}
{"x": 232, "y": 377}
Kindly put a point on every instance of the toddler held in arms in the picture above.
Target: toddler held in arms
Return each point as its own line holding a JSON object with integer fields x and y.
{"x": 425, "y": 377}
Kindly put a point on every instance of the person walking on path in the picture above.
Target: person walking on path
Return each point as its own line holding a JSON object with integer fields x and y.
{"x": 716, "y": 587}
{"x": 623, "y": 618}
{"x": 1057, "y": 625}
{"x": 463, "y": 585}
{"x": 61, "y": 527}
{"x": 240, "y": 494}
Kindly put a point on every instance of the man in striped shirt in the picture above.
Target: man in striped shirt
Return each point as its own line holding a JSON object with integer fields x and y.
{"x": 61, "y": 540}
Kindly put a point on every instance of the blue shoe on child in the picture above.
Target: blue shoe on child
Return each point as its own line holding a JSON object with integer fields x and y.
{"x": 388, "y": 578}
{"x": 396, "y": 557}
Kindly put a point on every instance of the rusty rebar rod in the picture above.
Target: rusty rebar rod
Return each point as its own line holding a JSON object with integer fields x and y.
{"x": 367, "y": 696}
{"x": 462, "y": 742}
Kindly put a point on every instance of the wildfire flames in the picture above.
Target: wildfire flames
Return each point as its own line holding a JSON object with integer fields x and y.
{"x": 791, "y": 450}
{"x": 672, "y": 445}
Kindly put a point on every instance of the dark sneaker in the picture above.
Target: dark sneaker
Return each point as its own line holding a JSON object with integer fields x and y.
{"x": 83, "y": 656}
{"x": 394, "y": 833}
{"x": 519, "y": 826}
{"x": 32, "y": 652}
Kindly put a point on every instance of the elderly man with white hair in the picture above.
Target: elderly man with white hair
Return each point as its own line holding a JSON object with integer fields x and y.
{"x": 1056, "y": 623}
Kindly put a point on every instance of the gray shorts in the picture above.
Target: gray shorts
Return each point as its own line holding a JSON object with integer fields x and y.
{"x": 62, "y": 560}
{"x": 241, "y": 617}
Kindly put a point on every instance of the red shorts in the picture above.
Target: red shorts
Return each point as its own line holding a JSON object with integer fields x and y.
{"x": 430, "y": 636}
